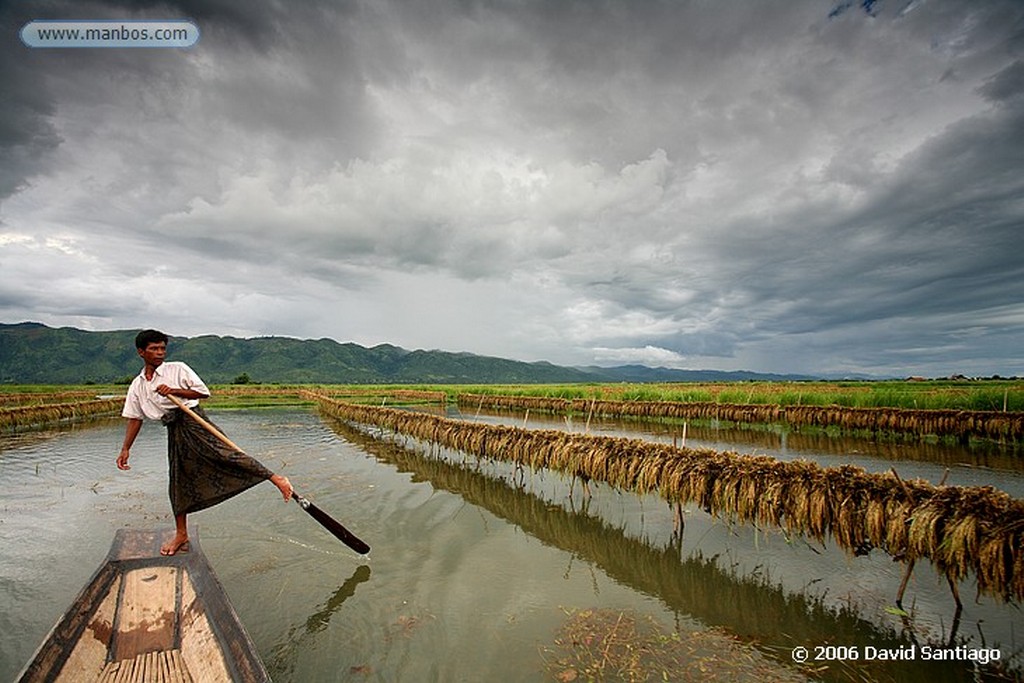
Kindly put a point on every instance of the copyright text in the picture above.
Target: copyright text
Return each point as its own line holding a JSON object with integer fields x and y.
{"x": 911, "y": 653}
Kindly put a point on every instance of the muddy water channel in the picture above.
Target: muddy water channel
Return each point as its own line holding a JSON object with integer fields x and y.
{"x": 480, "y": 572}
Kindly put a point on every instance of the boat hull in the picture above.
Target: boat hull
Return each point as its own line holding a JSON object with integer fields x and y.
{"x": 144, "y": 616}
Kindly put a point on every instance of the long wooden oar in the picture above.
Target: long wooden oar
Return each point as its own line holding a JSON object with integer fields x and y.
{"x": 324, "y": 519}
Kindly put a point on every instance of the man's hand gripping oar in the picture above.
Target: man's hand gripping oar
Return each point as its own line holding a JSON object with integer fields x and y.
{"x": 325, "y": 520}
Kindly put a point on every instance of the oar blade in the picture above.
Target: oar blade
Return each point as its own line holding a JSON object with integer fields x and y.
{"x": 332, "y": 525}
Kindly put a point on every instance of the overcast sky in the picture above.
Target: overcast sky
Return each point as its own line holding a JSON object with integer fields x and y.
{"x": 810, "y": 186}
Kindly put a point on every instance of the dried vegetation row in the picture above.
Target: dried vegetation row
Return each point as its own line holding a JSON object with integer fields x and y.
{"x": 32, "y": 415}
{"x": 961, "y": 424}
{"x": 961, "y": 530}
{"x": 40, "y": 397}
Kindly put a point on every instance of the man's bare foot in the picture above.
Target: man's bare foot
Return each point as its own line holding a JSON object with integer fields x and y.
{"x": 283, "y": 485}
{"x": 178, "y": 543}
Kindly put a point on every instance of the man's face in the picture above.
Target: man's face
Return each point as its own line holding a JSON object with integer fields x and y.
{"x": 153, "y": 354}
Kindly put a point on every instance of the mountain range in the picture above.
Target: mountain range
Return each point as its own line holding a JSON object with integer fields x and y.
{"x": 33, "y": 353}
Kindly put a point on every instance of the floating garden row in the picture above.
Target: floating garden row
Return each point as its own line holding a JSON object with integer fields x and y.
{"x": 39, "y": 397}
{"x": 32, "y": 415}
{"x": 960, "y": 424}
{"x": 961, "y": 530}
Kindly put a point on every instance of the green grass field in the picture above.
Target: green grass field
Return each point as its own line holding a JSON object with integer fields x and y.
{"x": 997, "y": 395}
{"x": 991, "y": 395}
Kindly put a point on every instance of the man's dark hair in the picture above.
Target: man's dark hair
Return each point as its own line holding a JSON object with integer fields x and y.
{"x": 147, "y": 337}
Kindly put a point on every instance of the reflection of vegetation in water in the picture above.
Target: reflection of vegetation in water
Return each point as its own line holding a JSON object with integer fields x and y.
{"x": 33, "y": 434}
{"x": 750, "y": 608}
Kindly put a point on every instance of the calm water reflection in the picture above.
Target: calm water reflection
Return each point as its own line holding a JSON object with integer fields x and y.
{"x": 474, "y": 565}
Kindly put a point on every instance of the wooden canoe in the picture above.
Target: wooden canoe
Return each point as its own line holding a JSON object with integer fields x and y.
{"x": 146, "y": 617}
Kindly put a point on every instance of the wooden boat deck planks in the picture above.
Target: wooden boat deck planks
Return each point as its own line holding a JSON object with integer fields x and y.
{"x": 160, "y": 667}
{"x": 146, "y": 617}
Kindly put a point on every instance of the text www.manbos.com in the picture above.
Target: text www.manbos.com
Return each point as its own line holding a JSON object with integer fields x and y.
{"x": 55, "y": 33}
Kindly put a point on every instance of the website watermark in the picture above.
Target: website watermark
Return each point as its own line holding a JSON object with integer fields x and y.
{"x": 103, "y": 33}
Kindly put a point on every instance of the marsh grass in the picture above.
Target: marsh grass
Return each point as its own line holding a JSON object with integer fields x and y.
{"x": 986, "y": 395}
{"x": 990, "y": 395}
{"x": 34, "y": 415}
{"x": 738, "y": 402}
{"x": 623, "y": 645}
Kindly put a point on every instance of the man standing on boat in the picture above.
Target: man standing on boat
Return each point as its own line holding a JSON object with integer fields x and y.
{"x": 202, "y": 470}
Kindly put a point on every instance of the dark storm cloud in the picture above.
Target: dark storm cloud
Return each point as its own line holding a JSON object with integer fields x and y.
{"x": 755, "y": 185}
{"x": 27, "y": 135}
{"x": 27, "y": 132}
{"x": 303, "y": 96}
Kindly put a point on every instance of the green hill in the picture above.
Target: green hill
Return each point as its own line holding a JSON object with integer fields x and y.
{"x": 31, "y": 353}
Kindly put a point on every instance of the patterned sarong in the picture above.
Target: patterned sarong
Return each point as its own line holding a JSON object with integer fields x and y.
{"x": 203, "y": 471}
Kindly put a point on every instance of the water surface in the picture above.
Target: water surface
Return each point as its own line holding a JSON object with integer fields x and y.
{"x": 476, "y": 568}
